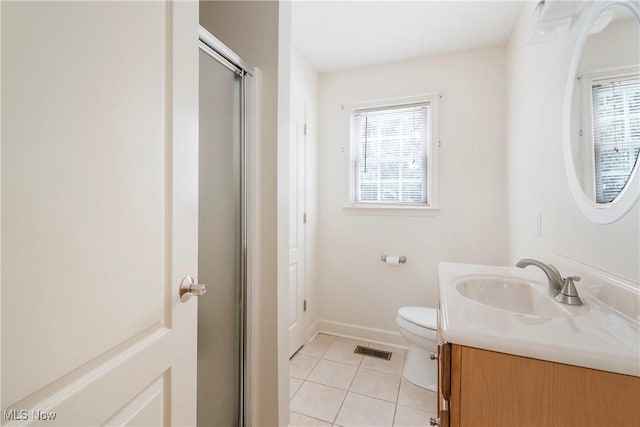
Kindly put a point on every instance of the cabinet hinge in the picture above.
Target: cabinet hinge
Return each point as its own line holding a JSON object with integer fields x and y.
{"x": 304, "y": 305}
{"x": 304, "y": 129}
{"x": 304, "y": 218}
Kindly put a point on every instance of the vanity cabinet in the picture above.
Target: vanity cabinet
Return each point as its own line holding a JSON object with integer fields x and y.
{"x": 486, "y": 388}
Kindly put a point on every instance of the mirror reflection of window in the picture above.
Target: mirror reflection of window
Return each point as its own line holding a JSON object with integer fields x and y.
{"x": 616, "y": 133}
{"x": 605, "y": 117}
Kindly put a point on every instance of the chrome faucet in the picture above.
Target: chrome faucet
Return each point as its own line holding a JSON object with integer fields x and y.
{"x": 562, "y": 290}
{"x": 555, "y": 279}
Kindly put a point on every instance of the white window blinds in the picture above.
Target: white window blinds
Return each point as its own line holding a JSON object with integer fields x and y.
{"x": 616, "y": 133}
{"x": 391, "y": 148}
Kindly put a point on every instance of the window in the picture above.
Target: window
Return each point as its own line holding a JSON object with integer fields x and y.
{"x": 616, "y": 133}
{"x": 391, "y": 154}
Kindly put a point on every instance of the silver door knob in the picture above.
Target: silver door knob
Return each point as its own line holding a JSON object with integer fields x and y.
{"x": 189, "y": 288}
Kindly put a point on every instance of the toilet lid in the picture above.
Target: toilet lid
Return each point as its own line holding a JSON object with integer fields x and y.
{"x": 421, "y": 316}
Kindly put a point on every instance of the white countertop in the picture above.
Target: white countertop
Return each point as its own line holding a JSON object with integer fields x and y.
{"x": 597, "y": 337}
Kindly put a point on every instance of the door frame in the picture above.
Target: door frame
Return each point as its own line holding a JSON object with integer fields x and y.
{"x": 249, "y": 221}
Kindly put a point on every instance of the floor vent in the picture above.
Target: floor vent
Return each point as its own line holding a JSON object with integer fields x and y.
{"x": 372, "y": 352}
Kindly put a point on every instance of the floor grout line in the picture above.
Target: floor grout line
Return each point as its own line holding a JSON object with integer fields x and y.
{"x": 313, "y": 418}
{"x": 340, "y": 363}
{"x": 348, "y": 390}
{"x": 373, "y": 397}
{"x": 326, "y": 385}
{"x": 395, "y": 411}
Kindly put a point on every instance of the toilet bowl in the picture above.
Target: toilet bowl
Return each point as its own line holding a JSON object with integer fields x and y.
{"x": 418, "y": 326}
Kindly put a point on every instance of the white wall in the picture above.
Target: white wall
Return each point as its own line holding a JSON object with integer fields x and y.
{"x": 252, "y": 30}
{"x": 354, "y": 286}
{"x": 537, "y": 75}
{"x": 304, "y": 102}
{"x": 604, "y": 50}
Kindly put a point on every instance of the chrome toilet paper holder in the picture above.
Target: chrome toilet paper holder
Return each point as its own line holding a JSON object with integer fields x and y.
{"x": 402, "y": 259}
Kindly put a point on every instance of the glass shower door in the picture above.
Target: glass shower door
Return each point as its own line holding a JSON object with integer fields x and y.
{"x": 220, "y": 313}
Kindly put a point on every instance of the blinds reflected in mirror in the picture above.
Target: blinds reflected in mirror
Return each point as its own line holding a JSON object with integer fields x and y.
{"x": 390, "y": 153}
{"x": 616, "y": 133}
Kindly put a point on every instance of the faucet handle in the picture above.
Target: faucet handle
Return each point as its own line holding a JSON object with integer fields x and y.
{"x": 569, "y": 293}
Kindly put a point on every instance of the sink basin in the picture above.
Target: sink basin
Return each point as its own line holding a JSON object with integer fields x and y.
{"x": 509, "y": 310}
{"x": 506, "y": 293}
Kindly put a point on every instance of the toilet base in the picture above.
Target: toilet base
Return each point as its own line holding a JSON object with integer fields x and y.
{"x": 420, "y": 370}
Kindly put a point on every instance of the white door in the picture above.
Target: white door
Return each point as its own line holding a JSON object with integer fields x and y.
{"x": 99, "y": 212}
{"x": 297, "y": 219}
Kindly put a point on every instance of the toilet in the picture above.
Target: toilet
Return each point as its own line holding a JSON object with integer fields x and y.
{"x": 418, "y": 326}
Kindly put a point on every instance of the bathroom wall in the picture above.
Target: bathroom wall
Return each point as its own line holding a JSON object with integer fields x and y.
{"x": 598, "y": 52}
{"x": 304, "y": 105}
{"x": 359, "y": 295}
{"x": 253, "y": 30}
{"x": 537, "y": 183}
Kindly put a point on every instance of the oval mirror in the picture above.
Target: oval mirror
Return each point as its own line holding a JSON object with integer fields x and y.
{"x": 603, "y": 143}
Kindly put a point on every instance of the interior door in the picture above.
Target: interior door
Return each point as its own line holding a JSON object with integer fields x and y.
{"x": 99, "y": 212}
{"x": 297, "y": 219}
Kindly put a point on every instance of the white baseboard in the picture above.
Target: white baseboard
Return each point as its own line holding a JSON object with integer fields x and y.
{"x": 313, "y": 331}
{"x": 357, "y": 332}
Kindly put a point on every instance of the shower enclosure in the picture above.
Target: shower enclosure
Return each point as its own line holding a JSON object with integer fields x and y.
{"x": 222, "y": 234}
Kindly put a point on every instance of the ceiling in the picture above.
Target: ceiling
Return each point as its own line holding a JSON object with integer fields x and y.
{"x": 338, "y": 35}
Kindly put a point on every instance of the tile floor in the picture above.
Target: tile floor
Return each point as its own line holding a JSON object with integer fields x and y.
{"x": 330, "y": 385}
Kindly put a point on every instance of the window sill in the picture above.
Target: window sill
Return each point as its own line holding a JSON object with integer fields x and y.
{"x": 390, "y": 210}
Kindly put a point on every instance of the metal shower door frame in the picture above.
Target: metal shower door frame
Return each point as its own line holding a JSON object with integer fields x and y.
{"x": 209, "y": 44}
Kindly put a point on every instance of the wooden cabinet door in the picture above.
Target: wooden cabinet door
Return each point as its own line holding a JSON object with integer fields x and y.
{"x": 500, "y": 389}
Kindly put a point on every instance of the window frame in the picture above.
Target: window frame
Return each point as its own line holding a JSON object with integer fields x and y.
{"x": 585, "y": 87}
{"x": 432, "y": 154}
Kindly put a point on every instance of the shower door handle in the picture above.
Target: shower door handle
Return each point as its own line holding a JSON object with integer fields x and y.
{"x": 189, "y": 288}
